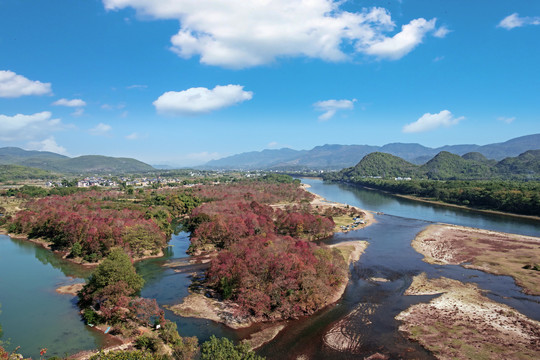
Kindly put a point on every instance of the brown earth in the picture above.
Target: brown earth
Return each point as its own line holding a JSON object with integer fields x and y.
{"x": 490, "y": 251}
{"x": 321, "y": 203}
{"x": 259, "y": 338}
{"x": 464, "y": 324}
{"x": 72, "y": 289}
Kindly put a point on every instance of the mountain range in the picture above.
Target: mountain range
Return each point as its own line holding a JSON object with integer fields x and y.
{"x": 87, "y": 164}
{"x": 335, "y": 157}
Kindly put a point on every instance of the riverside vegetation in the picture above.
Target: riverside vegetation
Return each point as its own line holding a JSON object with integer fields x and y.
{"x": 509, "y": 186}
{"x": 277, "y": 272}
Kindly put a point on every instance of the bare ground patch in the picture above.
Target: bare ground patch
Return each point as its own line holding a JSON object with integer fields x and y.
{"x": 490, "y": 251}
{"x": 464, "y": 324}
{"x": 72, "y": 289}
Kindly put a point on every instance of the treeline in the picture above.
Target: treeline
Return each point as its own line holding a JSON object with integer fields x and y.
{"x": 87, "y": 224}
{"x": 111, "y": 296}
{"x": 516, "y": 197}
{"x": 11, "y": 173}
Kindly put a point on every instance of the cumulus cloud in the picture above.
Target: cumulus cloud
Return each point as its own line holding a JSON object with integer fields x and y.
{"x": 432, "y": 121}
{"x": 402, "y": 43}
{"x": 200, "y": 100}
{"x": 13, "y": 85}
{"x": 239, "y": 34}
{"x": 27, "y": 127}
{"x": 48, "y": 144}
{"x": 514, "y": 21}
{"x": 101, "y": 129}
{"x": 330, "y": 107}
{"x": 70, "y": 103}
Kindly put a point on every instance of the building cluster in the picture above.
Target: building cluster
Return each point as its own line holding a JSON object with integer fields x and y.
{"x": 357, "y": 221}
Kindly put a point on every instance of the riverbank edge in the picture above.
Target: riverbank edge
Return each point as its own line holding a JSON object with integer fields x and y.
{"x": 64, "y": 255}
{"x": 426, "y": 249}
{"x": 199, "y": 306}
{"x": 369, "y": 219}
{"x": 440, "y": 203}
{"x": 261, "y": 337}
{"x": 462, "y": 323}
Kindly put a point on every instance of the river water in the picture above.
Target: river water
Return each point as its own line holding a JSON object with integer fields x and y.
{"x": 34, "y": 316}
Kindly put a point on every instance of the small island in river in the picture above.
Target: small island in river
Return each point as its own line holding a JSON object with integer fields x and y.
{"x": 463, "y": 324}
{"x": 498, "y": 253}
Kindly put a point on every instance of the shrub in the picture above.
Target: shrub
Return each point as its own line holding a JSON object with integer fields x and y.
{"x": 224, "y": 349}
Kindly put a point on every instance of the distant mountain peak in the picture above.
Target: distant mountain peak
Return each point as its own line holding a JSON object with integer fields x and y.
{"x": 336, "y": 156}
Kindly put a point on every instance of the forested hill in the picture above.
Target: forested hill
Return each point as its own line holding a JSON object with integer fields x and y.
{"x": 445, "y": 166}
{"x": 62, "y": 164}
{"x": 335, "y": 157}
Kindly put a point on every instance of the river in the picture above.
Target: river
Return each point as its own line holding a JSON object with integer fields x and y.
{"x": 34, "y": 316}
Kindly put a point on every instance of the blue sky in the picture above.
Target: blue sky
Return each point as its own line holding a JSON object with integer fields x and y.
{"x": 181, "y": 82}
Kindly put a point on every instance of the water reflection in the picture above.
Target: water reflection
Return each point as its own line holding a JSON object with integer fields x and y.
{"x": 381, "y": 202}
{"x": 33, "y": 314}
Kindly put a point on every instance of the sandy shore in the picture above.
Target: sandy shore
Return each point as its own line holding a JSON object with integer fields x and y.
{"x": 199, "y": 306}
{"x": 259, "y": 338}
{"x": 489, "y": 251}
{"x": 463, "y": 324}
{"x": 322, "y": 203}
{"x": 72, "y": 289}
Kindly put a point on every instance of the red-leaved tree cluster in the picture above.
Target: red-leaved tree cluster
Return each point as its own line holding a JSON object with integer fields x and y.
{"x": 266, "y": 264}
{"x": 277, "y": 277}
{"x": 89, "y": 225}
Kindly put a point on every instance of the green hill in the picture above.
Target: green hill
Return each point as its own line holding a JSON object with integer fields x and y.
{"x": 16, "y": 172}
{"x": 92, "y": 164}
{"x": 446, "y": 165}
{"x": 381, "y": 164}
{"x": 526, "y": 164}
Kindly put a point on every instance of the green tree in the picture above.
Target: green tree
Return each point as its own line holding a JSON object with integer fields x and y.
{"x": 224, "y": 349}
{"x": 116, "y": 268}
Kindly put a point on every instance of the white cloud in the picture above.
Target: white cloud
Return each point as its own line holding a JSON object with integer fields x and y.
{"x": 112, "y": 107}
{"x": 239, "y": 34}
{"x": 133, "y": 136}
{"x": 403, "y": 42}
{"x": 13, "y": 85}
{"x": 438, "y": 58}
{"x": 78, "y": 112}
{"x": 441, "y": 32}
{"x": 514, "y": 20}
{"x": 273, "y": 144}
{"x": 330, "y": 107}
{"x": 70, "y": 103}
{"x": 200, "y": 100}
{"x": 48, "y": 144}
{"x": 432, "y": 121}
{"x": 26, "y": 127}
{"x": 101, "y": 129}
{"x": 507, "y": 120}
